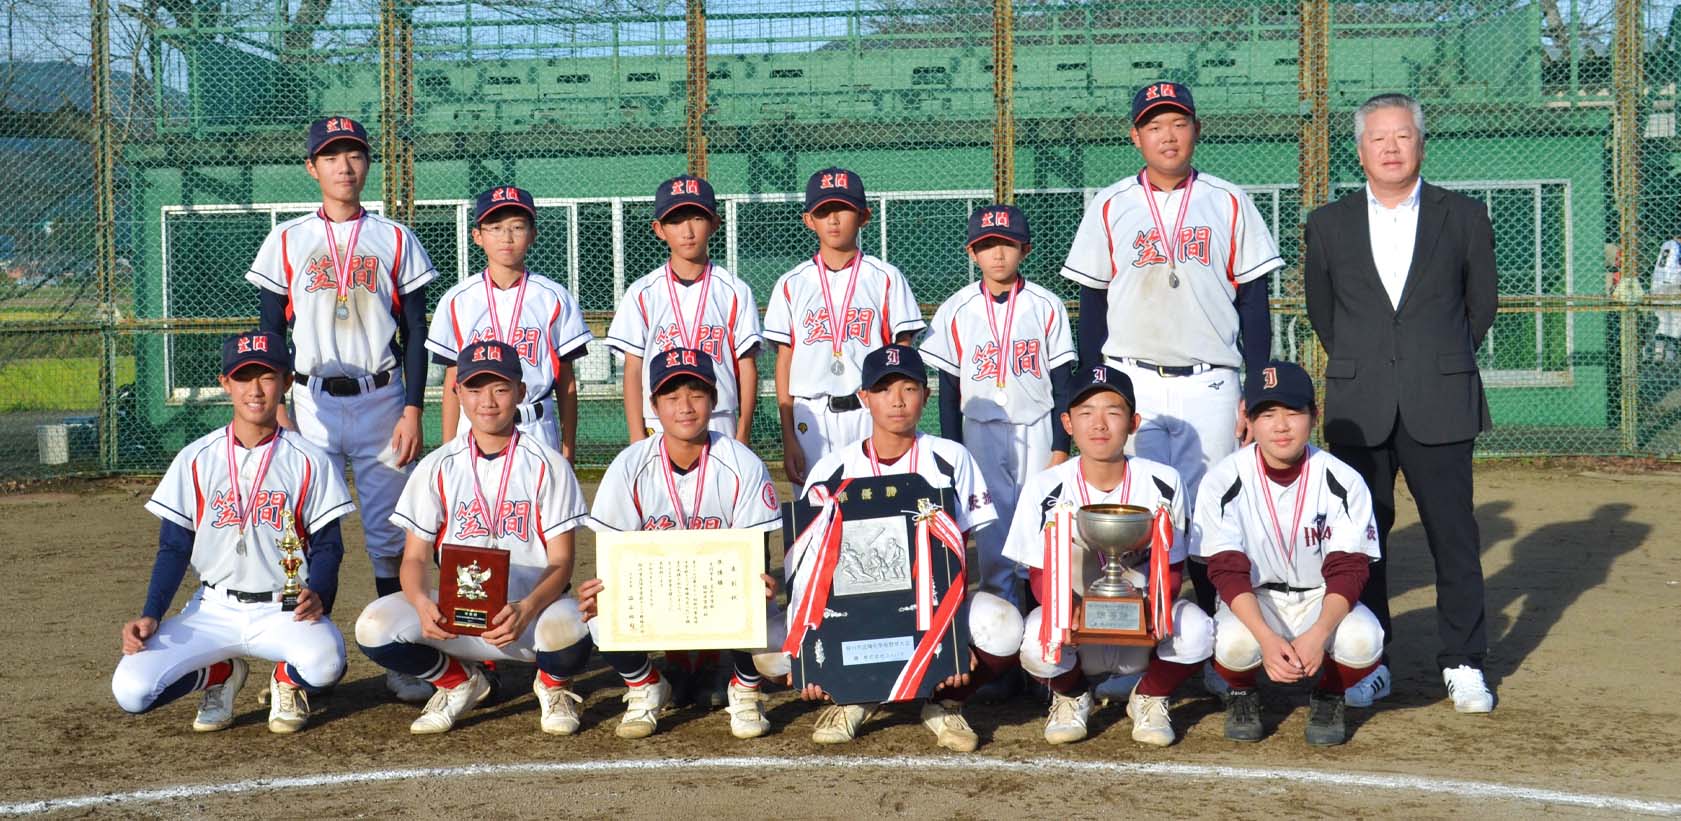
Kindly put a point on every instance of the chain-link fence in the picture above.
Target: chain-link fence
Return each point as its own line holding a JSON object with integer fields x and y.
{"x": 154, "y": 145}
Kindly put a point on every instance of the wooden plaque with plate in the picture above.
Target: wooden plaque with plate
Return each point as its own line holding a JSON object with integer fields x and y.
{"x": 472, "y": 587}
{"x": 1112, "y": 620}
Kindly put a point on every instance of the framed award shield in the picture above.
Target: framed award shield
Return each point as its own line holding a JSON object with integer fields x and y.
{"x": 869, "y": 633}
{"x": 472, "y": 587}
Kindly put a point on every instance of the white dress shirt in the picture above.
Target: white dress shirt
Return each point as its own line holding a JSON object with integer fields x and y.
{"x": 1393, "y": 232}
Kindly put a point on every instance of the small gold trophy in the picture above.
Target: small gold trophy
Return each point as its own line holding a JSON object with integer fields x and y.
{"x": 290, "y": 562}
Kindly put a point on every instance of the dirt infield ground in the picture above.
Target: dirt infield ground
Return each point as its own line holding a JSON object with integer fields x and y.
{"x": 1584, "y": 586}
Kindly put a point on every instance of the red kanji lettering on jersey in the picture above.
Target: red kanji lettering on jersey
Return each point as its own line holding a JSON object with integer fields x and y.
{"x": 858, "y": 323}
{"x": 1024, "y": 360}
{"x": 364, "y": 273}
{"x": 986, "y": 362}
{"x": 1269, "y": 378}
{"x": 664, "y": 521}
{"x": 710, "y": 338}
{"x": 268, "y": 505}
{"x": 1026, "y": 357}
{"x": 514, "y": 521}
{"x": 1194, "y": 243}
{"x": 525, "y": 342}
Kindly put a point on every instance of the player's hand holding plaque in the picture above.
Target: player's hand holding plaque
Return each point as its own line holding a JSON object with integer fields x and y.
{"x": 680, "y": 590}
{"x": 472, "y": 587}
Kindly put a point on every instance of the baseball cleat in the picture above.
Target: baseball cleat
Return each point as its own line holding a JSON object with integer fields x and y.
{"x": 944, "y": 718}
{"x": 1375, "y": 686}
{"x": 1324, "y": 720}
{"x": 448, "y": 706}
{"x": 215, "y": 709}
{"x": 408, "y": 689}
{"x": 559, "y": 706}
{"x": 747, "y": 712}
{"x": 288, "y": 709}
{"x": 1243, "y": 715}
{"x": 1213, "y": 682}
{"x": 642, "y": 708}
{"x": 1067, "y": 722}
{"x": 838, "y": 723}
{"x": 1468, "y": 689}
{"x": 1150, "y": 724}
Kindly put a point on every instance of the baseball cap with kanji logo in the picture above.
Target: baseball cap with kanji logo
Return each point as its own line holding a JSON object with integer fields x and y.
{"x": 488, "y": 356}
{"x": 255, "y": 348}
{"x": 684, "y": 190}
{"x": 329, "y": 130}
{"x": 680, "y": 362}
{"x": 1003, "y": 221}
{"x": 1163, "y": 96}
{"x": 500, "y": 197}
{"x": 835, "y": 185}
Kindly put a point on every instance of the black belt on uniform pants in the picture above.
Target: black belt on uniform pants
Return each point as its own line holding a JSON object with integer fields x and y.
{"x": 1169, "y": 370}
{"x": 344, "y": 385}
{"x": 1281, "y": 587}
{"x": 248, "y": 598}
{"x": 842, "y": 404}
{"x": 533, "y": 410}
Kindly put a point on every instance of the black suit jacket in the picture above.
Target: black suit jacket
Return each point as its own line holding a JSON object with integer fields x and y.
{"x": 1418, "y": 360}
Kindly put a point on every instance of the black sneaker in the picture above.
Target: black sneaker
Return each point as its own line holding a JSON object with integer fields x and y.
{"x": 1324, "y": 720}
{"x": 1243, "y": 715}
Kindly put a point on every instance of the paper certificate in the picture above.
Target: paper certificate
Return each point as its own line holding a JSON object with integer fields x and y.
{"x": 681, "y": 590}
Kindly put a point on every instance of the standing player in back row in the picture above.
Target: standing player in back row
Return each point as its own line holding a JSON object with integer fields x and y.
{"x": 1004, "y": 352}
{"x": 689, "y": 302}
{"x": 825, "y": 316}
{"x": 1185, "y": 302}
{"x": 348, "y": 285}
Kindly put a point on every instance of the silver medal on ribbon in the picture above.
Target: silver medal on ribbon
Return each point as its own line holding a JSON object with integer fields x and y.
{"x": 837, "y": 367}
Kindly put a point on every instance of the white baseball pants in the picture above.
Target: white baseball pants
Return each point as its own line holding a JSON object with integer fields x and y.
{"x": 1357, "y": 642}
{"x": 358, "y": 428}
{"x": 1007, "y": 455}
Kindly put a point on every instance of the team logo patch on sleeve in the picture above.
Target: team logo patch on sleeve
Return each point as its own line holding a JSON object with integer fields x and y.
{"x": 769, "y": 495}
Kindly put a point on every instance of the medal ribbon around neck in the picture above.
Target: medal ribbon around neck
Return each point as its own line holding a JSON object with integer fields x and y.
{"x": 837, "y": 321}
{"x": 671, "y": 481}
{"x": 875, "y": 464}
{"x": 240, "y": 508}
{"x": 1003, "y": 340}
{"x": 490, "y": 289}
{"x": 690, "y": 337}
{"x": 1287, "y": 547}
{"x": 1170, "y": 245}
{"x": 1125, "y": 485}
{"x": 341, "y": 270}
{"x": 493, "y": 516}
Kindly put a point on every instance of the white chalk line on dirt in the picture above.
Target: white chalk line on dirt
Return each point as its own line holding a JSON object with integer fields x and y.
{"x": 1207, "y": 772}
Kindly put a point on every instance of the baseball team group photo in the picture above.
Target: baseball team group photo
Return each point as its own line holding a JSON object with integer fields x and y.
{"x": 1172, "y": 500}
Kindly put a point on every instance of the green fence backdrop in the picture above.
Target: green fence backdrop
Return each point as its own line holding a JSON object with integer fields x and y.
{"x": 151, "y": 146}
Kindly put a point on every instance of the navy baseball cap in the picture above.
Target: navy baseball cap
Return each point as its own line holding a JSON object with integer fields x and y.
{"x": 1100, "y": 378}
{"x": 835, "y": 185}
{"x": 255, "y": 348}
{"x": 500, "y": 197}
{"x": 1003, "y": 221}
{"x": 329, "y": 130}
{"x": 684, "y": 190}
{"x": 488, "y": 356}
{"x": 1160, "y": 96}
{"x": 680, "y": 362}
{"x": 893, "y": 360}
{"x": 1279, "y": 383}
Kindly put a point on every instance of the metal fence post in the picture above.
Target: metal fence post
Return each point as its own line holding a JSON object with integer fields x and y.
{"x": 695, "y": 119}
{"x": 396, "y": 109}
{"x": 1626, "y": 82}
{"x": 1313, "y": 61}
{"x": 1003, "y": 100}
{"x": 104, "y": 227}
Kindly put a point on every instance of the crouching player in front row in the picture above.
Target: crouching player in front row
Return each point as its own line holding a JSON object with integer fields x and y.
{"x": 449, "y": 499}
{"x": 686, "y": 477}
{"x": 1288, "y": 534}
{"x": 1101, "y": 415}
{"x": 226, "y": 504}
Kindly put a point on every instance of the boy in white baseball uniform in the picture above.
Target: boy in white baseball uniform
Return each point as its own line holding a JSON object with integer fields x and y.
{"x": 226, "y": 502}
{"x": 1289, "y": 537}
{"x": 350, "y": 288}
{"x": 1100, "y": 417}
{"x": 1180, "y": 306}
{"x": 492, "y": 488}
{"x": 895, "y": 392}
{"x": 508, "y": 303}
{"x": 687, "y": 477}
{"x": 689, "y": 302}
{"x": 1004, "y": 353}
{"x": 825, "y": 316}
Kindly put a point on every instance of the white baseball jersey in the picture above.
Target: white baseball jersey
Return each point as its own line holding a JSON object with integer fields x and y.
{"x": 942, "y": 462}
{"x": 1222, "y": 243}
{"x": 964, "y": 342}
{"x": 729, "y": 489}
{"x": 1285, "y": 531}
{"x": 726, "y": 327}
{"x": 542, "y": 501}
{"x": 882, "y": 307}
{"x": 1147, "y": 484}
{"x": 386, "y": 263}
{"x": 197, "y": 493}
{"x": 549, "y": 325}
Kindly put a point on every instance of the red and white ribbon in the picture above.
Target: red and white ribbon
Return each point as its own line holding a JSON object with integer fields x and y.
{"x": 1285, "y": 546}
{"x": 837, "y": 321}
{"x": 1159, "y": 599}
{"x": 242, "y": 507}
{"x": 932, "y": 622}
{"x": 341, "y": 270}
{"x": 671, "y": 481}
{"x": 810, "y": 567}
{"x": 1002, "y": 339}
{"x": 1170, "y": 244}
{"x": 910, "y": 457}
{"x": 506, "y": 337}
{"x": 492, "y": 515}
{"x": 1057, "y": 618}
{"x": 689, "y": 336}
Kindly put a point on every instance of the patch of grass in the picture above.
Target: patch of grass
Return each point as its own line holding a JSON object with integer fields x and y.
{"x": 58, "y": 384}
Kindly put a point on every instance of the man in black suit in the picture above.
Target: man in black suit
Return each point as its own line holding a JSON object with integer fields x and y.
{"x": 1401, "y": 290}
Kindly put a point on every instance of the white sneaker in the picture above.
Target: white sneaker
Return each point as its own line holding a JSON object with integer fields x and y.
{"x": 1067, "y": 722}
{"x": 1213, "y": 682}
{"x": 448, "y": 706}
{"x": 288, "y": 709}
{"x": 1468, "y": 690}
{"x": 408, "y": 689}
{"x": 747, "y": 711}
{"x": 215, "y": 709}
{"x": 838, "y": 723}
{"x": 944, "y": 718}
{"x": 642, "y": 709}
{"x": 559, "y": 706}
{"x": 1374, "y": 686}
{"x": 1150, "y": 724}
